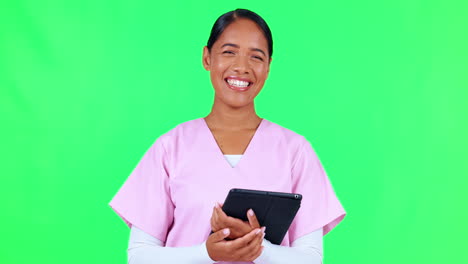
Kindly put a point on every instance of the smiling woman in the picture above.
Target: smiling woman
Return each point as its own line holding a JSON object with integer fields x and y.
{"x": 238, "y": 56}
{"x": 238, "y": 60}
{"x": 170, "y": 200}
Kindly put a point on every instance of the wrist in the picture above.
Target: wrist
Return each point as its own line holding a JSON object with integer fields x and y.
{"x": 264, "y": 256}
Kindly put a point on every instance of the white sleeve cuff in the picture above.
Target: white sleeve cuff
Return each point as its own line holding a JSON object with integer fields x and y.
{"x": 307, "y": 250}
{"x": 146, "y": 249}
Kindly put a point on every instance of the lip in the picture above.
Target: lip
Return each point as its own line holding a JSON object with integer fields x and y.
{"x": 235, "y": 88}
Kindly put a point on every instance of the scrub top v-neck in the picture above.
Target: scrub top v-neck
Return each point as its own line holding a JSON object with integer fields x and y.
{"x": 220, "y": 153}
{"x": 170, "y": 194}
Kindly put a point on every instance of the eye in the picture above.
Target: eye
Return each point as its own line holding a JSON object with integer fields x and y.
{"x": 258, "y": 58}
{"x": 228, "y": 52}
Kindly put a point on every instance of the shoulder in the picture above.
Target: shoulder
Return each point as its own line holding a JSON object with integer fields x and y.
{"x": 287, "y": 140}
{"x": 185, "y": 131}
{"x": 176, "y": 141}
{"x": 284, "y": 135}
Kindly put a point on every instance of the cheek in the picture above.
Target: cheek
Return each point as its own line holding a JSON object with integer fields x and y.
{"x": 261, "y": 71}
{"x": 217, "y": 74}
{"x": 220, "y": 65}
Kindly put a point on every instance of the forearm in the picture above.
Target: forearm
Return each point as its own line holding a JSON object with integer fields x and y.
{"x": 145, "y": 249}
{"x": 274, "y": 254}
{"x": 307, "y": 250}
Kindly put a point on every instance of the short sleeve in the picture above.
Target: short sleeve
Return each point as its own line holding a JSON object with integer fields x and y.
{"x": 319, "y": 207}
{"x": 144, "y": 199}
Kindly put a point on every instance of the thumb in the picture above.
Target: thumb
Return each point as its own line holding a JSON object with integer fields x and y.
{"x": 221, "y": 235}
{"x": 253, "y": 221}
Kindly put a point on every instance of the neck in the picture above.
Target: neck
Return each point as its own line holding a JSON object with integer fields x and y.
{"x": 225, "y": 117}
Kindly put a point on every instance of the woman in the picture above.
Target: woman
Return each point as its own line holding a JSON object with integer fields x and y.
{"x": 170, "y": 199}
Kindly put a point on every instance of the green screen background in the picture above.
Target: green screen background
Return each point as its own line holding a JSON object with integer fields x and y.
{"x": 378, "y": 87}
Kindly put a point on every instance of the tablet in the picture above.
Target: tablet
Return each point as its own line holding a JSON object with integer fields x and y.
{"x": 275, "y": 210}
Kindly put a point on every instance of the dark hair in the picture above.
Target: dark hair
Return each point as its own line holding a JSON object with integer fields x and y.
{"x": 226, "y": 19}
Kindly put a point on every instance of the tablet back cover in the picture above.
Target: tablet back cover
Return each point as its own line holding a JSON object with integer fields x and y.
{"x": 273, "y": 211}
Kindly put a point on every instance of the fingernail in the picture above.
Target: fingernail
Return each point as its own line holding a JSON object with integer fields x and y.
{"x": 258, "y": 231}
{"x": 263, "y": 229}
{"x": 216, "y": 205}
{"x": 226, "y": 231}
{"x": 251, "y": 213}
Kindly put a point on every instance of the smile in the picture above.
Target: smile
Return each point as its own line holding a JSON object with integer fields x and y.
{"x": 238, "y": 85}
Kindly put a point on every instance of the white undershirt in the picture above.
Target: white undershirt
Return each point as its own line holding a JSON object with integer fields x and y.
{"x": 146, "y": 249}
{"x": 233, "y": 159}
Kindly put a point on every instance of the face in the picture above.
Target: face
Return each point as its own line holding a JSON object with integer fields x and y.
{"x": 239, "y": 63}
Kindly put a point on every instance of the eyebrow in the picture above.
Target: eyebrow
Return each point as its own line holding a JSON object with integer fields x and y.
{"x": 237, "y": 46}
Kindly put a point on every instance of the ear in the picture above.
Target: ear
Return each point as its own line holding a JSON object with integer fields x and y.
{"x": 269, "y": 64}
{"x": 206, "y": 58}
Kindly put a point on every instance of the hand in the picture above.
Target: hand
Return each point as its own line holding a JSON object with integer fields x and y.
{"x": 237, "y": 227}
{"x": 246, "y": 248}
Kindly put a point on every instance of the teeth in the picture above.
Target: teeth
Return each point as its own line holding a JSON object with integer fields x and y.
{"x": 237, "y": 83}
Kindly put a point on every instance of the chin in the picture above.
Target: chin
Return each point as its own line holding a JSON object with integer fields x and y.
{"x": 233, "y": 103}
{"x": 239, "y": 104}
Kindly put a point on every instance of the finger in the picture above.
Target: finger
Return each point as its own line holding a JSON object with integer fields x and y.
{"x": 231, "y": 222}
{"x": 219, "y": 235}
{"x": 245, "y": 240}
{"x": 257, "y": 241}
{"x": 220, "y": 220}
{"x": 214, "y": 226}
{"x": 256, "y": 255}
{"x": 238, "y": 227}
{"x": 253, "y": 253}
{"x": 253, "y": 221}
{"x": 221, "y": 217}
{"x": 251, "y": 248}
{"x": 220, "y": 211}
{"x": 235, "y": 222}
{"x": 215, "y": 213}
{"x": 228, "y": 220}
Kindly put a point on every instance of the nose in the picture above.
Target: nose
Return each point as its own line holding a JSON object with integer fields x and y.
{"x": 241, "y": 65}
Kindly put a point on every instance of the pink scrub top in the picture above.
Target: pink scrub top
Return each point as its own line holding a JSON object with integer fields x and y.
{"x": 171, "y": 192}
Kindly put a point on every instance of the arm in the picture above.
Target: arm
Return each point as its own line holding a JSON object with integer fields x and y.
{"x": 307, "y": 249}
{"x": 145, "y": 249}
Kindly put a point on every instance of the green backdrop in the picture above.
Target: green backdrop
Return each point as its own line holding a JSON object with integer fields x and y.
{"x": 378, "y": 87}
